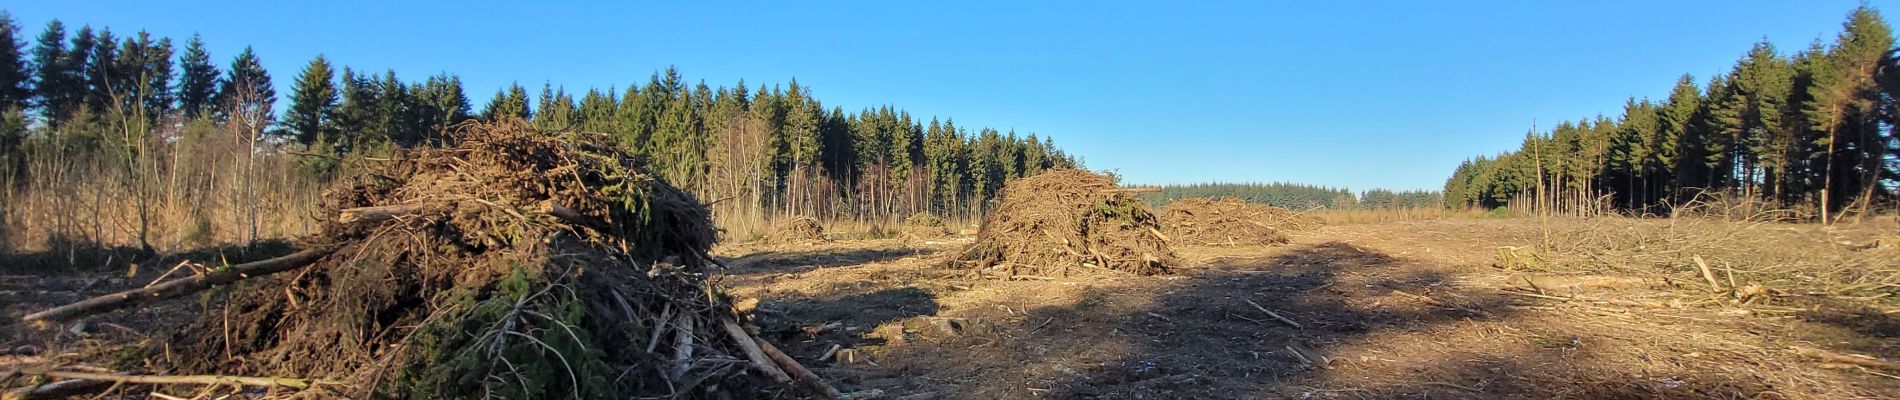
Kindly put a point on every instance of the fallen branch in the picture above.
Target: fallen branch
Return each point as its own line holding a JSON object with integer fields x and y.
{"x": 752, "y": 351}
{"x": 178, "y": 288}
{"x": 1856, "y": 360}
{"x": 86, "y": 382}
{"x": 1275, "y": 315}
{"x": 805, "y": 376}
{"x": 55, "y": 390}
{"x": 1706, "y": 273}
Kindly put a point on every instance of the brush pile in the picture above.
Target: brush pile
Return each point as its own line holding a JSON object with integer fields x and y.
{"x": 513, "y": 264}
{"x": 1230, "y": 222}
{"x": 796, "y": 230}
{"x": 1068, "y": 221}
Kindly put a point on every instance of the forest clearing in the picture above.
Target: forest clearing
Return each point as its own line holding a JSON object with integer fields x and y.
{"x": 1448, "y": 308}
{"x": 167, "y": 231}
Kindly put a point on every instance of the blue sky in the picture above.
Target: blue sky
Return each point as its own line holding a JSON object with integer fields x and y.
{"x": 1354, "y": 94}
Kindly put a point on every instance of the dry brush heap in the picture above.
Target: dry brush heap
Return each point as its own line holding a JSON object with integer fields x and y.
{"x": 513, "y": 264}
{"x": 1068, "y": 221}
{"x": 1231, "y": 222}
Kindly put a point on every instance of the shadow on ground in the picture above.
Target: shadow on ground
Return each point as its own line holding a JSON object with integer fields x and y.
{"x": 778, "y": 261}
{"x": 1369, "y": 326}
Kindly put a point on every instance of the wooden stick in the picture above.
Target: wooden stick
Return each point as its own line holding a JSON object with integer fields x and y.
{"x": 61, "y": 389}
{"x": 1706, "y": 273}
{"x": 805, "y": 376}
{"x": 179, "y": 287}
{"x": 1862, "y": 361}
{"x": 752, "y": 351}
{"x": 1275, "y": 315}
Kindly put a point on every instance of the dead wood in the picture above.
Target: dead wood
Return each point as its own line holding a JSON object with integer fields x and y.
{"x": 1857, "y": 360}
{"x": 804, "y": 376}
{"x": 752, "y": 352}
{"x": 178, "y": 288}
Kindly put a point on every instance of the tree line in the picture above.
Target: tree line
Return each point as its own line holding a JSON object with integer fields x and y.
{"x": 1296, "y": 196}
{"x": 754, "y": 151}
{"x": 1812, "y": 131}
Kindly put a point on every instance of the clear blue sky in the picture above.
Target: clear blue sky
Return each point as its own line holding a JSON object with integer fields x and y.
{"x": 1355, "y": 94}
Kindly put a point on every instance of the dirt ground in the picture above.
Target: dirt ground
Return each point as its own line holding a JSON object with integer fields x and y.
{"x": 1397, "y": 310}
{"x": 1419, "y": 310}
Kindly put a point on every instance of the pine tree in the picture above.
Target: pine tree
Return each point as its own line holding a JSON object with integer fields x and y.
{"x": 439, "y": 102}
{"x": 198, "y": 83}
{"x": 1679, "y": 143}
{"x": 508, "y": 103}
{"x": 57, "y": 79}
{"x": 313, "y": 103}
{"x": 15, "y": 76}
{"x": 357, "y": 117}
{"x": 149, "y": 63}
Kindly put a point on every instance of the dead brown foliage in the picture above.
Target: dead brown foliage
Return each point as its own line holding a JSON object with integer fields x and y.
{"x": 1230, "y": 222}
{"x": 797, "y": 230}
{"x": 1064, "y": 221}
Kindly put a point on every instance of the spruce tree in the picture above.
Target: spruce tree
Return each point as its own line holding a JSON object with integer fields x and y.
{"x": 245, "y": 94}
{"x": 198, "y": 81}
{"x": 15, "y": 76}
{"x": 58, "y": 91}
{"x": 313, "y": 102}
{"x": 1679, "y": 143}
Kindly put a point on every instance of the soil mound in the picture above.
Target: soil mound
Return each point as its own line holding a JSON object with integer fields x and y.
{"x": 1065, "y": 221}
{"x": 1230, "y": 222}
{"x": 512, "y": 264}
{"x": 797, "y": 230}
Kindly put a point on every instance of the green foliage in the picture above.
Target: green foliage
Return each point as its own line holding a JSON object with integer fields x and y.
{"x": 522, "y": 342}
{"x": 1811, "y": 130}
{"x": 313, "y": 103}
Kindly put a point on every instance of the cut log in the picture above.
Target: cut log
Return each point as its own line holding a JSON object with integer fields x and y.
{"x": 804, "y": 376}
{"x": 752, "y": 351}
{"x": 179, "y": 287}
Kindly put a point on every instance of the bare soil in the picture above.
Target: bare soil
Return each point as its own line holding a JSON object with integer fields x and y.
{"x": 1400, "y": 310}
{"x": 1438, "y": 309}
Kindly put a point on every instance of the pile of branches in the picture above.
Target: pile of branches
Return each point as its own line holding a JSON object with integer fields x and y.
{"x": 796, "y": 230}
{"x": 1065, "y": 221}
{"x": 512, "y": 264}
{"x": 1230, "y": 222}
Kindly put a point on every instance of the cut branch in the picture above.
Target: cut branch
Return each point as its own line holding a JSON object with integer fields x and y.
{"x": 179, "y": 287}
{"x": 752, "y": 351}
{"x": 805, "y": 376}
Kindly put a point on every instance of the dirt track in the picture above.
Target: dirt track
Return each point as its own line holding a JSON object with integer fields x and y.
{"x": 1402, "y": 310}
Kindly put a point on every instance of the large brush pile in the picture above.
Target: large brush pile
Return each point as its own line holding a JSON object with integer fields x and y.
{"x": 1230, "y": 222}
{"x": 796, "y": 230}
{"x": 514, "y": 264}
{"x": 1066, "y": 221}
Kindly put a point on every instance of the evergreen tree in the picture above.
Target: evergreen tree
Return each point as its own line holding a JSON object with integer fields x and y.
{"x": 1679, "y": 146}
{"x": 15, "y": 76}
{"x": 59, "y": 79}
{"x": 508, "y": 103}
{"x": 245, "y": 94}
{"x": 198, "y": 84}
{"x": 313, "y": 103}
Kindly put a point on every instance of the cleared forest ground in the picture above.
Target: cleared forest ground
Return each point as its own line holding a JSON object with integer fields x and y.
{"x": 1460, "y": 308}
{"x": 1456, "y": 308}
